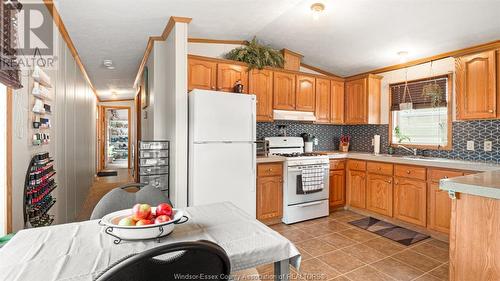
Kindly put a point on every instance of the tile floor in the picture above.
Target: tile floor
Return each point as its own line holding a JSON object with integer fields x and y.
{"x": 332, "y": 249}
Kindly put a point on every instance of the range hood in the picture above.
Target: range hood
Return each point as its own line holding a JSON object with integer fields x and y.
{"x": 294, "y": 115}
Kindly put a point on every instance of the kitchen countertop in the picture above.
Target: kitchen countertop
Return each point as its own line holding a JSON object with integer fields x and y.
{"x": 270, "y": 159}
{"x": 420, "y": 161}
{"x": 485, "y": 184}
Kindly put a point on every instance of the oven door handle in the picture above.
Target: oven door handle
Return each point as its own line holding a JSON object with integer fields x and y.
{"x": 309, "y": 204}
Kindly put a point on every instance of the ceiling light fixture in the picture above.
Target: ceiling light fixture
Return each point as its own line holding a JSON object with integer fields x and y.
{"x": 317, "y": 9}
{"x": 403, "y": 56}
{"x": 113, "y": 95}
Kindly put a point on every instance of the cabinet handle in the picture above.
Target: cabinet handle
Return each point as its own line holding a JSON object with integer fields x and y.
{"x": 270, "y": 170}
{"x": 389, "y": 181}
{"x": 445, "y": 177}
{"x": 213, "y": 87}
{"x": 490, "y": 111}
{"x": 379, "y": 168}
{"x": 408, "y": 171}
{"x": 396, "y": 182}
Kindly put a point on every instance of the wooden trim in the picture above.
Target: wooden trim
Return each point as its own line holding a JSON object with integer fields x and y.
{"x": 8, "y": 221}
{"x": 65, "y": 35}
{"x": 329, "y": 74}
{"x": 456, "y": 53}
{"x": 219, "y": 60}
{"x": 217, "y": 41}
{"x": 449, "y": 106}
{"x": 285, "y": 50}
{"x": 149, "y": 46}
{"x": 104, "y": 108}
{"x": 361, "y": 76}
{"x": 116, "y": 100}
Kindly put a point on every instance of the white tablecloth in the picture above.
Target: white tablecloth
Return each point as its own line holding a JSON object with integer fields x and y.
{"x": 79, "y": 251}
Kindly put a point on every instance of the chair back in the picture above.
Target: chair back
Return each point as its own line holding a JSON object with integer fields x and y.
{"x": 119, "y": 199}
{"x": 176, "y": 261}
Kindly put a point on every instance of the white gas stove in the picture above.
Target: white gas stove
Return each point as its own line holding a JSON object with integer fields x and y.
{"x": 306, "y": 179}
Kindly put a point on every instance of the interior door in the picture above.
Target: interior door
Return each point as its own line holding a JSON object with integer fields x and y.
{"x": 217, "y": 117}
{"x": 220, "y": 172}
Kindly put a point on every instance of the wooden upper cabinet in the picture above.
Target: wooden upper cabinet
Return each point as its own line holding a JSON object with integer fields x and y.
{"x": 476, "y": 86}
{"x": 260, "y": 83}
{"x": 356, "y": 102}
{"x": 283, "y": 91}
{"x": 228, "y": 74}
{"x": 362, "y": 100}
{"x": 323, "y": 100}
{"x": 305, "y": 99}
{"x": 292, "y": 60}
{"x": 337, "y": 102}
{"x": 410, "y": 200}
{"x": 201, "y": 74}
{"x": 379, "y": 194}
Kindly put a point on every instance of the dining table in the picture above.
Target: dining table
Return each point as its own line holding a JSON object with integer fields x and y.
{"x": 82, "y": 250}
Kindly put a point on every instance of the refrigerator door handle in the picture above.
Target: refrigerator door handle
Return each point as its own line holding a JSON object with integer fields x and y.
{"x": 254, "y": 166}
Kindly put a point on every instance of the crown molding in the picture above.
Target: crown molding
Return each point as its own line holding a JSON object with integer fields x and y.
{"x": 65, "y": 35}
{"x": 149, "y": 46}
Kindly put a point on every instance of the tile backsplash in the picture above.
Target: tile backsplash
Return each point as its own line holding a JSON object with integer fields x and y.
{"x": 328, "y": 135}
{"x": 361, "y": 138}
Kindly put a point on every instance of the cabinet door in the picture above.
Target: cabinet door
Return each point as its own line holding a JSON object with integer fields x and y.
{"x": 356, "y": 102}
{"x": 337, "y": 102}
{"x": 323, "y": 100}
{"x": 283, "y": 91}
{"x": 337, "y": 188}
{"x": 261, "y": 85}
{"x": 269, "y": 197}
{"x": 379, "y": 194}
{"x": 305, "y": 99}
{"x": 439, "y": 209}
{"x": 410, "y": 201}
{"x": 476, "y": 86}
{"x": 357, "y": 189}
{"x": 228, "y": 74}
{"x": 201, "y": 74}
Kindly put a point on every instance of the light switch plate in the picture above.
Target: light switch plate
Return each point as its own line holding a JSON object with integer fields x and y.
{"x": 470, "y": 145}
{"x": 488, "y": 145}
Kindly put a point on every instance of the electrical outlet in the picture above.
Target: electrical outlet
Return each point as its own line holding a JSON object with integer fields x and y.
{"x": 488, "y": 145}
{"x": 470, "y": 145}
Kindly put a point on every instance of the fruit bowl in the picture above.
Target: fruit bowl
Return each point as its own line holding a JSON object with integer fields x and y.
{"x": 139, "y": 232}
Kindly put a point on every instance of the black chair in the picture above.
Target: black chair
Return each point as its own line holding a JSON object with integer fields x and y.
{"x": 196, "y": 258}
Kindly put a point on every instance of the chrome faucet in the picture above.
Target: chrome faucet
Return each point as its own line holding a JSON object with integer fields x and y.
{"x": 414, "y": 150}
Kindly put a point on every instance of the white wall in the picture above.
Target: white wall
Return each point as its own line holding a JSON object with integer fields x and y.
{"x": 72, "y": 138}
{"x": 439, "y": 67}
{"x": 167, "y": 111}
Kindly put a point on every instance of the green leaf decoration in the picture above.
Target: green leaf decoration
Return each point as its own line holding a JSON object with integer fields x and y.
{"x": 257, "y": 55}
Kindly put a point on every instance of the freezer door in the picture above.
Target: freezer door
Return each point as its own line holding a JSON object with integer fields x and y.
{"x": 220, "y": 172}
{"x": 217, "y": 116}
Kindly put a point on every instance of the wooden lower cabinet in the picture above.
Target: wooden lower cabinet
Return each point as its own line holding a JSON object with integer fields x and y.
{"x": 379, "y": 194}
{"x": 410, "y": 200}
{"x": 269, "y": 192}
{"x": 439, "y": 214}
{"x": 357, "y": 188}
{"x": 474, "y": 243}
{"x": 337, "y": 188}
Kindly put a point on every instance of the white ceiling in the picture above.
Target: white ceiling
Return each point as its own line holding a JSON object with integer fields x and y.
{"x": 350, "y": 37}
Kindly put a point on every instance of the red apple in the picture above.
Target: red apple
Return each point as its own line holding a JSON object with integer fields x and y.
{"x": 128, "y": 221}
{"x": 162, "y": 219}
{"x": 151, "y": 216}
{"x": 144, "y": 222}
{"x": 141, "y": 211}
{"x": 164, "y": 209}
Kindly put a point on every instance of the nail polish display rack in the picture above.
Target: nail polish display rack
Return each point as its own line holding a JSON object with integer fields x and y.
{"x": 38, "y": 187}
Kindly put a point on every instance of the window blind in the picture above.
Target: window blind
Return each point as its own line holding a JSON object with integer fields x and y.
{"x": 415, "y": 91}
{"x": 9, "y": 70}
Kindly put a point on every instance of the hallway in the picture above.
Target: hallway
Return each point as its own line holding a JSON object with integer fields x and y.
{"x": 100, "y": 187}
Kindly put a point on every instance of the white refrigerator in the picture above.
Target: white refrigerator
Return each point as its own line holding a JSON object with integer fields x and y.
{"x": 222, "y": 156}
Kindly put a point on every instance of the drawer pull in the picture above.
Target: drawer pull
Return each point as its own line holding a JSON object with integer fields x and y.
{"x": 445, "y": 177}
{"x": 408, "y": 172}
{"x": 389, "y": 181}
{"x": 379, "y": 168}
{"x": 490, "y": 111}
{"x": 270, "y": 170}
